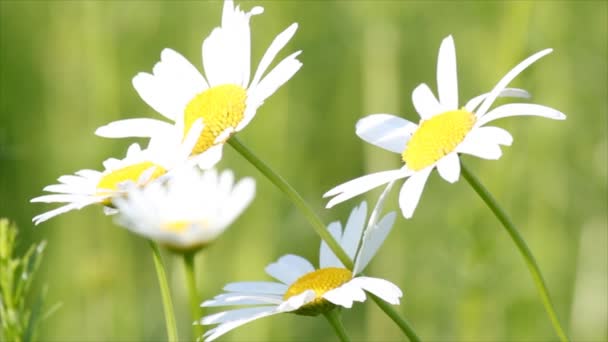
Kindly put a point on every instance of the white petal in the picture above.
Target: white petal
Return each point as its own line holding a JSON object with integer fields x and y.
{"x": 493, "y": 135}
{"x": 449, "y": 167}
{"x": 479, "y": 144}
{"x": 410, "y": 193}
{"x": 67, "y": 189}
{"x": 277, "y": 44}
{"x": 360, "y": 185}
{"x": 295, "y": 302}
{"x": 345, "y": 295}
{"x": 209, "y": 158}
{"x": 354, "y": 230}
{"x": 447, "y": 80}
{"x": 226, "y": 327}
{"x": 507, "y": 92}
{"x": 275, "y": 78}
{"x": 386, "y": 131}
{"x": 327, "y": 258}
{"x": 242, "y": 195}
{"x": 234, "y": 315}
{"x": 384, "y": 289}
{"x": 507, "y": 79}
{"x": 289, "y": 268}
{"x": 140, "y": 128}
{"x": 517, "y": 109}
{"x": 374, "y": 238}
{"x": 227, "y": 299}
{"x": 50, "y": 214}
{"x": 425, "y": 102}
{"x": 174, "y": 83}
{"x": 60, "y": 198}
{"x": 257, "y": 287}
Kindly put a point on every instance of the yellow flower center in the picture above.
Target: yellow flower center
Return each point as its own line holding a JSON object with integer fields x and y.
{"x": 109, "y": 183}
{"x": 220, "y": 107}
{"x": 437, "y": 137}
{"x": 178, "y": 226}
{"x": 320, "y": 281}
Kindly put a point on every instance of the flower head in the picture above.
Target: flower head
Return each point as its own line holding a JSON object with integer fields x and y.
{"x": 163, "y": 154}
{"x": 188, "y": 212}
{"x": 304, "y": 290}
{"x": 444, "y": 131}
{"x": 226, "y": 99}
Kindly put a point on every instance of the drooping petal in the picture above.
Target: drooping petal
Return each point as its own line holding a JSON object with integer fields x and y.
{"x": 410, "y": 193}
{"x": 386, "y": 131}
{"x": 345, "y": 295}
{"x": 447, "y": 79}
{"x": 256, "y": 287}
{"x": 384, "y": 289}
{"x": 521, "y": 109}
{"x": 425, "y": 102}
{"x": 360, "y": 185}
{"x": 227, "y": 299}
{"x": 228, "y": 326}
{"x": 502, "y": 84}
{"x": 449, "y": 167}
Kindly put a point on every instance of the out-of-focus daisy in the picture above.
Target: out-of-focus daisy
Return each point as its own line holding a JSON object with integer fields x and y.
{"x": 304, "y": 290}
{"x": 187, "y": 212}
{"x": 226, "y": 99}
{"x": 444, "y": 131}
{"x": 86, "y": 187}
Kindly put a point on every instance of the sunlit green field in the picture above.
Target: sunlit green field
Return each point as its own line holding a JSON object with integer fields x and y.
{"x": 66, "y": 69}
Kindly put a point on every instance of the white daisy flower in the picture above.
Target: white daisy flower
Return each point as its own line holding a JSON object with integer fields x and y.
{"x": 188, "y": 212}
{"x": 304, "y": 290}
{"x": 86, "y": 187}
{"x": 444, "y": 131}
{"x": 226, "y": 99}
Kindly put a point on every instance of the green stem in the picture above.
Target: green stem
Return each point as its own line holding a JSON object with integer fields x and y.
{"x": 295, "y": 197}
{"x": 400, "y": 321}
{"x": 333, "y": 316}
{"x": 521, "y": 246}
{"x": 165, "y": 293}
{"x": 318, "y": 225}
{"x": 195, "y": 309}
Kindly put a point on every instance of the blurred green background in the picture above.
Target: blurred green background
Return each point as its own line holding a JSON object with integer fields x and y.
{"x": 66, "y": 68}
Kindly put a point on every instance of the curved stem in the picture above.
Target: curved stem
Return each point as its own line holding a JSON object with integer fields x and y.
{"x": 318, "y": 225}
{"x": 521, "y": 246}
{"x": 165, "y": 293}
{"x": 195, "y": 309}
{"x": 333, "y": 316}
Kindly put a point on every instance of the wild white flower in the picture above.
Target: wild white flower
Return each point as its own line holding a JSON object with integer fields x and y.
{"x": 86, "y": 187}
{"x": 444, "y": 131}
{"x": 226, "y": 99}
{"x": 188, "y": 212}
{"x": 304, "y": 290}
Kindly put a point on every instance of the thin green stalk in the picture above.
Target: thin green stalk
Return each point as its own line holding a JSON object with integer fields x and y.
{"x": 195, "y": 309}
{"x": 295, "y": 197}
{"x": 521, "y": 246}
{"x": 333, "y": 316}
{"x": 165, "y": 293}
{"x": 318, "y": 225}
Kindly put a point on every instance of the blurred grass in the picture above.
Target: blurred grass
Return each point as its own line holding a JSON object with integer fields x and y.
{"x": 65, "y": 69}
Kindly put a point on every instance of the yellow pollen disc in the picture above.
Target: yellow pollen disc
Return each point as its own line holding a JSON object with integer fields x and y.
{"x": 176, "y": 226}
{"x": 320, "y": 281}
{"x": 109, "y": 182}
{"x": 437, "y": 137}
{"x": 220, "y": 107}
